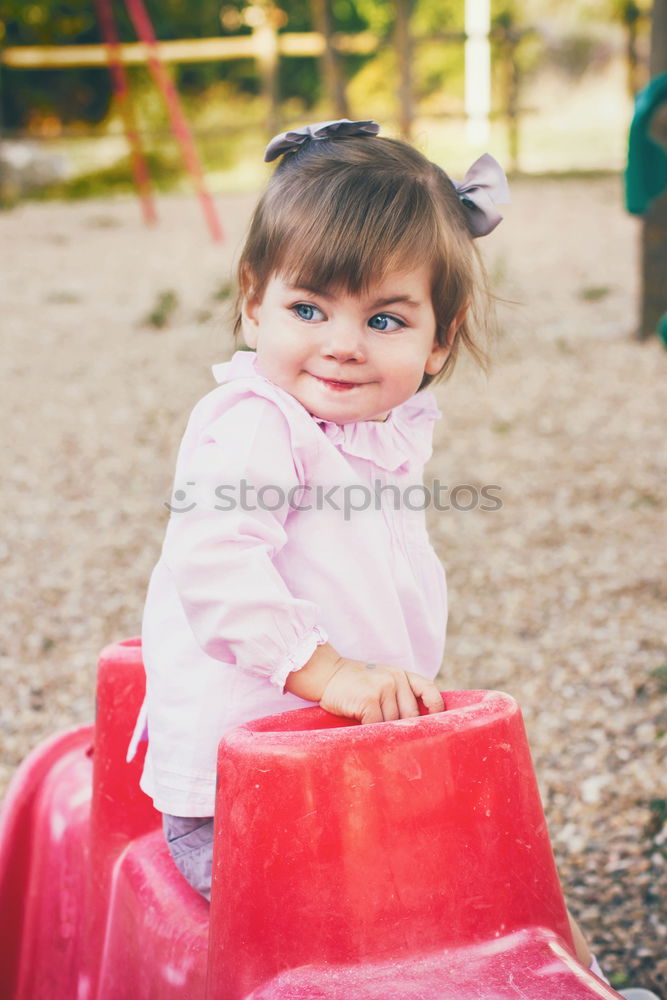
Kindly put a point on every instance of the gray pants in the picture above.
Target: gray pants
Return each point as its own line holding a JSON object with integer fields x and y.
{"x": 190, "y": 843}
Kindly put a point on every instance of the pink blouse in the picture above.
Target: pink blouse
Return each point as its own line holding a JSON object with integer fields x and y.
{"x": 285, "y": 532}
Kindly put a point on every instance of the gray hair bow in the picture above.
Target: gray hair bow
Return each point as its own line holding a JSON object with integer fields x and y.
{"x": 483, "y": 187}
{"x": 289, "y": 141}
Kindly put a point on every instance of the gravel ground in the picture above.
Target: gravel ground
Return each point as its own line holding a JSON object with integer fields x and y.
{"x": 558, "y": 597}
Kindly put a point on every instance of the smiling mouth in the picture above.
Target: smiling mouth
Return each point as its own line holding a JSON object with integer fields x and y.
{"x": 338, "y": 384}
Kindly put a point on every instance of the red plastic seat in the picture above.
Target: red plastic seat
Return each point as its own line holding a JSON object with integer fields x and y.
{"x": 405, "y": 860}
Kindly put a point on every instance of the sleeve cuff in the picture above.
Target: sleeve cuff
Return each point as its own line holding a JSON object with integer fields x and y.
{"x": 300, "y": 655}
{"x": 139, "y": 734}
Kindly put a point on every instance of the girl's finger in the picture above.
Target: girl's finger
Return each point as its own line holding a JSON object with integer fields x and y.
{"x": 371, "y": 712}
{"x": 389, "y": 705}
{"x": 427, "y": 691}
{"x": 405, "y": 697}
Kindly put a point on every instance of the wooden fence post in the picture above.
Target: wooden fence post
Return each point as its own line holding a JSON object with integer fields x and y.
{"x": 404, "y": 50}
{"x": 631, "y": 15}
{"x": 654, "y": 234}
{"x": 508, "y": 38}
{"x": 264, "y": 19}
{"x": 334, "y": 83}
{"x": 477, "y": 70}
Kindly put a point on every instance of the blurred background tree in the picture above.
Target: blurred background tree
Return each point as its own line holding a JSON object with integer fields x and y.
{"x": 547, "y": 58}
{"x": 81, "y": 95}
{"x": 84, "y": 94}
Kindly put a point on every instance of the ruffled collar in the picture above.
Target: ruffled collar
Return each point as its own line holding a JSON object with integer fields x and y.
{"x": 405, "y": 436}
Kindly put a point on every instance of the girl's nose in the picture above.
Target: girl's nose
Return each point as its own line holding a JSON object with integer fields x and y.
{"x": 343, "y": 343}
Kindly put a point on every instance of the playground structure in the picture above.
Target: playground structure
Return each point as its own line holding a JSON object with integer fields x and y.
{"x": 646, "y": 195}
{"x": 407, "y": 859}
{"x": 179, "y": 125}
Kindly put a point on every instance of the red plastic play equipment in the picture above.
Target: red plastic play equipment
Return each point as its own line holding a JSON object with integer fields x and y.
{"x": 405, "y": 860}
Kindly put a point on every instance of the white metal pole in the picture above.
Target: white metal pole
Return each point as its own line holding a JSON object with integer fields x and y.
{"x": 477, "y": 70}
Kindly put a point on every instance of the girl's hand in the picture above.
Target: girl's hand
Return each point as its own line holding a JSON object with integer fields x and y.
{"x": 369, "y": 692}
{"x": 373, "y": 692}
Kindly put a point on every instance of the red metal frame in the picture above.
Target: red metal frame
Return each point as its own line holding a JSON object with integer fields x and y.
{"x": 123, "y": 96}
{"x": 143, "y": 27}
{"x": 179, "y": 125}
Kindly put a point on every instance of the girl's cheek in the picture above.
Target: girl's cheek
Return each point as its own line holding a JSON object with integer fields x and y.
{"x": 403, "y": 365}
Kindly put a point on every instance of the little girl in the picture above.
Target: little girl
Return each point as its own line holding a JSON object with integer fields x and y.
{"x": 296, "y": 566}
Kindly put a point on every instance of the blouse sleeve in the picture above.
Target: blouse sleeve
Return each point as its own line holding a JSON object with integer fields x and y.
{"x": 236, "y": 482}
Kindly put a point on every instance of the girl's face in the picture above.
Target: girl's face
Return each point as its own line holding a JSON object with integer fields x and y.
{"x": 346, "y": 357}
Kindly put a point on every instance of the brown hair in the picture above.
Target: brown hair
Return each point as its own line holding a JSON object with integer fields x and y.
{"x": 341, "y": 213}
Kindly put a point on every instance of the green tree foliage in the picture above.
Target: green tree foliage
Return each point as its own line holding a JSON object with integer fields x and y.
{"x": 84, "y": 94}
{"x": 74, "y": 95}
{"x": 78, "y": 94}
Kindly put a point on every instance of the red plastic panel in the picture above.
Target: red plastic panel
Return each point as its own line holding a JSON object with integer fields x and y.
{"x": 156, "y": 937}
{"x": 43, "y": 865}
{"x": 528, "y": 965}
{"x": 120, "y": 812}
{"x": 343, "y": 843}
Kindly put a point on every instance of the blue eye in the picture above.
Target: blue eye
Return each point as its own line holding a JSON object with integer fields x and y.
{"x": 307, "y": 312}
{"x": 385, "y": 323}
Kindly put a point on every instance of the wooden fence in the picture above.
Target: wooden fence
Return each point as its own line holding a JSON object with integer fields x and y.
{"x": 267, "y": 45}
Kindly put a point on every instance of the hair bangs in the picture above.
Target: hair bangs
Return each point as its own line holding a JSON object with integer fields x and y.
{"x": 364, "y": 229}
